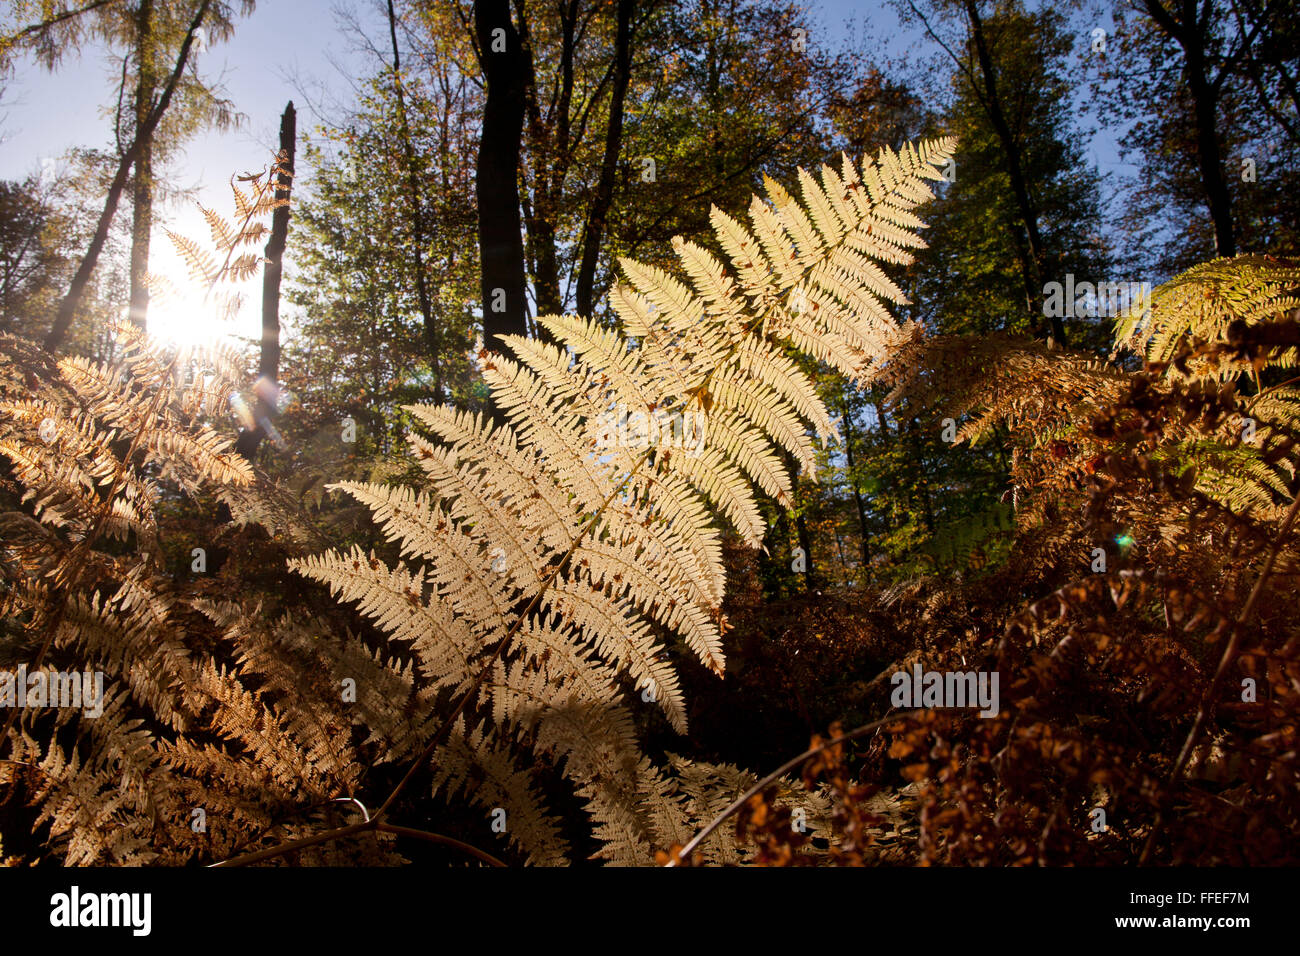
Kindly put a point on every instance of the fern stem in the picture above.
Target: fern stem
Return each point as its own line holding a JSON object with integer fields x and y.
{"x": 1229, "y": 654}
{"x": 1274, "y": 388}
{"x": 445, "y": 727}
{"x": 297, "y": 811}
{"x": 271, "y": 852}
{"x": 441, "y": 840}
{"x": 740, "y": 801}
{"x": 340, "y": 833}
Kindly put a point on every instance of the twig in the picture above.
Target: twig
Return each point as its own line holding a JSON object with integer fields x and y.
{"x": 775, "y": 775}
{"x": 1234, "y": 639}
{"x": 1229, "y": 654}
{"x": 301, "y": 844}
{"x": 441, "y": 840}
{"x": 368, "y": 825}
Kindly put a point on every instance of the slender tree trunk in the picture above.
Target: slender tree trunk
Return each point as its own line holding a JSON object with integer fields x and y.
{"x": 142, "y": 188}
{"x": 77, "y": 290}
{"x": 549, "y": 148}
{"x": 1217, "y": 198}
{"x": 594, "y": 230}
{"x": 1032, "y": 255}
{"x": 141, "y": 231}
{"x": 432, "y": 342}
{"x": 839, "y": 548}
{"x": 887, "y": 517}
{"x": 923, "y": 486}
{"x": 1205, "y": 107}
{"x": 801, "y": 527}
{"x": 503, "y": 284}
{"x": 857, "y": 495}
{"x": 268, "y": 368}
{"x": 775, "y": 554}
{"x": 805, "y": 542}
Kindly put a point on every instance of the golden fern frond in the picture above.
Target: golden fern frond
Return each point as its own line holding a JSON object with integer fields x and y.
{"x": 394, "y": 599}
{"x": 982, "y": 380}
{"x": 243, "y": 203}
{"x": 191, "y": 453}
{"x": 500, "y": 785}
{"x": 243, "y": 717}
{"x": 161, "y": 288}
{"x": 243, "y": 267}
{"x": 253, "y": 234}
{"x": 1203, "y": 302}
{"x": 554, "y": 548}
{"x": 424, "y": 530}
{"x": 228, "y": 236}
{"x": 98, "y": 800}
{"x": 132, "y": 637}
{"x": 223, "y": 237}
{"x": 203, "y": 268}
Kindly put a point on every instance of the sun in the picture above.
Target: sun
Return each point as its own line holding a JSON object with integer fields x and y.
{"x": 186, "y": 320}
{"x": 184, "y": 312}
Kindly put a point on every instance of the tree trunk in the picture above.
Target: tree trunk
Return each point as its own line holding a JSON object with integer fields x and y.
{"x": 77, "y": 290}
{"x": 549, "y": 157}
{"x": 146, "y": 87}
{"x": 805, "y": 542}
{"x": 886, "y": 516}
{"x": 1205, "y": 107}
{"x": 1217, "y": 198}
{"x": 432, "y": 341}
{"x": 1032, "y": 256}
{"x": 268, "y": 368}
{"x": 801, "y": 526}
{"x": 923, "y": 485}
{"x": 594, "y": 230}
{"x": 857, "y": 495}
{"x": 501, "y": 248}
{"x": 141, "y": 231}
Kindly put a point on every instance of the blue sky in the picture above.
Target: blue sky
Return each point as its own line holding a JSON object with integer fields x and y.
{"x": 291, "y": 47}
{"x": 284, "y": 46}
{"x": 256, "y": 67}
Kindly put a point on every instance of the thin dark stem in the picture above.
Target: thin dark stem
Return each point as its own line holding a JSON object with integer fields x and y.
{"x": 1229, "y": 654}
{"x": 248, "y": 859}
{"x": 771, "y": 778}
{"x": 373, "y": 824}
{"x": 441, "y": 840}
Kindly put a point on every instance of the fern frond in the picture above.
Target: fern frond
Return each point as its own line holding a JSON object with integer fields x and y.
{"x": 500, "y": 785}
{"x": 597, "y": 541}
{"x": 202, "y": 267}
{"x": 223, "y": 237}
{"x": 1203, "y": 302}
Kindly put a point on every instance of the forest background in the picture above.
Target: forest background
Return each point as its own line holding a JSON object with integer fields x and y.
{"x": 1100, "y": 143}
